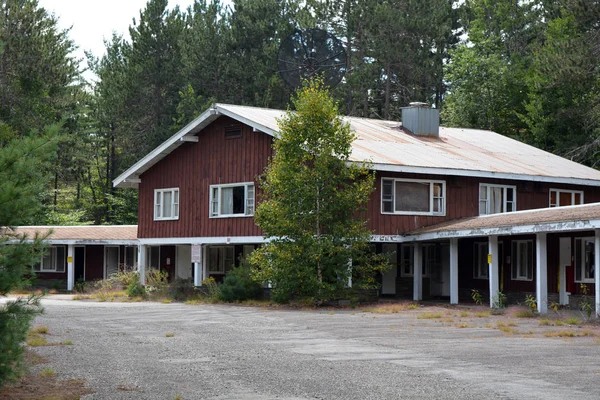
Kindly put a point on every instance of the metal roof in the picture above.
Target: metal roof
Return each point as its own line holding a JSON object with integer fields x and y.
{"x": 462, "y": 152}
{"x": 85, "y": 234}
{"x": 555, "y": 219}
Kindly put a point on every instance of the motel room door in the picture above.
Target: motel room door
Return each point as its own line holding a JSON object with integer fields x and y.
{"x": 111, "y": 260}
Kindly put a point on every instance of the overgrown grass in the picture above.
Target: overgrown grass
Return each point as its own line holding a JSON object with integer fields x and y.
{"x": 36, "y": 341}
{"x": 386, "y": 308}
{"x": 169, "y": 334}
{"x": 429, "y": 316}
{"x": 42, "y": 329}
{"x": 413, "y": 306}
{"x": 46, "y": 372}
{"x": 526, "y": 314}
{"x": 573, "y": 321}
{"x": 483, "y": 314}
{"x": 67, "y": 343}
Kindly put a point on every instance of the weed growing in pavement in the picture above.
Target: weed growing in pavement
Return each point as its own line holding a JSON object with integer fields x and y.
{"x": 477, "y": 297}
{"x": 531, "y": 302}
{"x": 169, "y": 334}
{"x": 464, "y": 314}
{"x": 412, "y": 306}
{"x": 36, "y": 340}
{"x": 499, "y": 302}
{"x": 526, "y": 314}
{"x": 42, "y": 329}
{"x": 573, "y": 321}
{"x": 483, "y": 314}
{"x": 586, "y": 304}
{"x": 429, "y": 316}
{"x": 46, "y": 372}
{"x": 67, "y": 343}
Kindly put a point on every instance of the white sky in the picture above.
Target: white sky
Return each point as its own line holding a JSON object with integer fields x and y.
{"x": 92, "y": 21}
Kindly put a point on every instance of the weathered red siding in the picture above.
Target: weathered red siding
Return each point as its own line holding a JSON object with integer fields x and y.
{"x": 94, "y": 262}
{"x": 192, "y": 168}
{"x": 462, "y": 200}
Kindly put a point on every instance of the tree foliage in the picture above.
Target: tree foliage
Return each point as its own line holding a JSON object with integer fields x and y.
{"x": 312, "y": 204}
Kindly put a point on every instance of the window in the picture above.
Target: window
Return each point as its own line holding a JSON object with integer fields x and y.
{"x": 53, "y": 260}
{"x": 584, "y": 260}
{"x": 494, "y": 199}
{"x": 522, "y": 260}
{"x": 130, "y": 258}
{"x": 166, "y": 204}
{"x": 233, "y": 133}
{"x": 560, "y": 198}
{"x": 480, "y": 257}
{"x": 153, "y": 257}
{"x": 430, "y": 256}
{"x": 235, "y": 200}
{"x": 407, "y": 260}
{"x": 220, "y": 259}
{"x": 413, "y": 197}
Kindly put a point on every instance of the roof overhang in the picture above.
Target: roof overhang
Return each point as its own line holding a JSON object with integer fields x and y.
{"x": 131, "y": 177}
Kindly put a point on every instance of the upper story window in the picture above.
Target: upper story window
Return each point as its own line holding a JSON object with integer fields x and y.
{"x": 166, "y": 204}
{"x": 413, "y": 197}
{"x": 53, "y": 260}
{"x": 560, "y": 197}
{"x": 232, "y": 200}
{"x": 584, "y": 260}
{"x": 494, "y": 199}
{"x": 522, "y": 260}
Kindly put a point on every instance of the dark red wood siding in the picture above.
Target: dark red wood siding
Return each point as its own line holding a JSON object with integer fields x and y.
{"x": 462, "y": 200}
{"x": 94, "y": 262}
{"x": 193, "y": 167}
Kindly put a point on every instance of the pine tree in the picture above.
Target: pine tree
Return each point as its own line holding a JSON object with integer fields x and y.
{"x": 313, "y": 200}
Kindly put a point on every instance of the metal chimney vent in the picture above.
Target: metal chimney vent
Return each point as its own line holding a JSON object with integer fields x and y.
{"x": 421, "y": 120}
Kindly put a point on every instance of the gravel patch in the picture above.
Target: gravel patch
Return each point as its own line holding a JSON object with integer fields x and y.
{"x": 160, "y": 351}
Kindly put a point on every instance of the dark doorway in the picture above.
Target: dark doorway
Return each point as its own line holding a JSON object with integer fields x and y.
{"x": 79, "y": 263}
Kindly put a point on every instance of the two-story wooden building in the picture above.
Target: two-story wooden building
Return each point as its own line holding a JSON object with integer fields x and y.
{"x": 199, "y": 188}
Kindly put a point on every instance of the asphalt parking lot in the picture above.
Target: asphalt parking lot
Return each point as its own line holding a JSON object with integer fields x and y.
{"x": 169, "y": 351}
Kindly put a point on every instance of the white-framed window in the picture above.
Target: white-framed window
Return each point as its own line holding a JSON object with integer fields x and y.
{"x": 584, "y": 260}
{"x": 413, "y": 197}
{"x": 560, "y": 197}
{"x": 429, "y": 254}
{"x": 480, "y": 258}
{"x": 494, "y": 199}
{"x": 522, "y": 260}
{"x": 53, "y": 260}
{"x": 407, "y": 262}
{"x": 153, "y": 257}
{"x": 166, "y": 204}
{"x": 221, "y": 259}
{"x": 131, "y": 256}
{"x": 232, "y": 200}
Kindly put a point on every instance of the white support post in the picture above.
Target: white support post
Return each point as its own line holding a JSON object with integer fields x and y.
{"x": 350, "y": 273}
{"x": 204, "y": 262}
{"x": 198, "y": 269}
{"x": 454, "y": 271}
{"x": 541, "y": 264}
{"x": 70, "y": 268}
{"x": 493, "y": 268}
{"x": 418, "y": 273}
{"x": 596, "y": 267}
{"x": 142, "y": 263}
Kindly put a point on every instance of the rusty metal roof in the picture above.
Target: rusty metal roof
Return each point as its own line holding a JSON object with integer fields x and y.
{"x": 462, "y": 152}
{"x": 100, "y": 234}
{"x": 556, "y": 219}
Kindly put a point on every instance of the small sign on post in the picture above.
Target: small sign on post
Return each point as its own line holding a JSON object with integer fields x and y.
{"x": 489, "y": 258}
{"x": 69, "y": 259}
{"x": 196, "y": 253}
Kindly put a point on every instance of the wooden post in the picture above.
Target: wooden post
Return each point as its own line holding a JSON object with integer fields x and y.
{"x": 454, "y": 271}
{"x": 418, "y": 273}
{"x": 541, "y": 263}
{"x": 493, "y": 268}
{"x": 70, "y": 268}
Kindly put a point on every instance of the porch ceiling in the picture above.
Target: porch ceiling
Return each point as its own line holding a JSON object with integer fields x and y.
{"x": 558, "y": 219}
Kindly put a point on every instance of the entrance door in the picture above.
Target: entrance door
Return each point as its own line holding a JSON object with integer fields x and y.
{"x": 440, "y": 274}
{"x": 79, "y": 263}
{"x": 565, "y": 263}
{"x": 111, "y": 260}
{"x": 388, "y": 282}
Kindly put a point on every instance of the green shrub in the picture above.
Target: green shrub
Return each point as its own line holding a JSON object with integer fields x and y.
{"x": 135, "y": 289}
{"x": 239, "y": 285}
{"x": 15, "y": 319}
{"x": 125, "y": 278}
{"x": 156, "y": 282}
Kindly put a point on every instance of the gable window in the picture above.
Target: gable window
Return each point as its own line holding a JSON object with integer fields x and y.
{"x": 220, "y": 259}
{"x": 232, "y": 200}
{"x": 166, "y": 204}
{"x": 233, "y": 133}
{"x": 522, "y": 260}
{"x": 480, "y": 256}
{"x": 584, "y": 260}
{"x": 494, "y": 199}
{"x": 560, "y": 198}
{"x": 413, "y": 197}
{"x": 53, "y": 260}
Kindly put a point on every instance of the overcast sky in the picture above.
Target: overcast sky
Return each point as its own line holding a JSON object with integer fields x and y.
{"x": 93, "y": 21}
